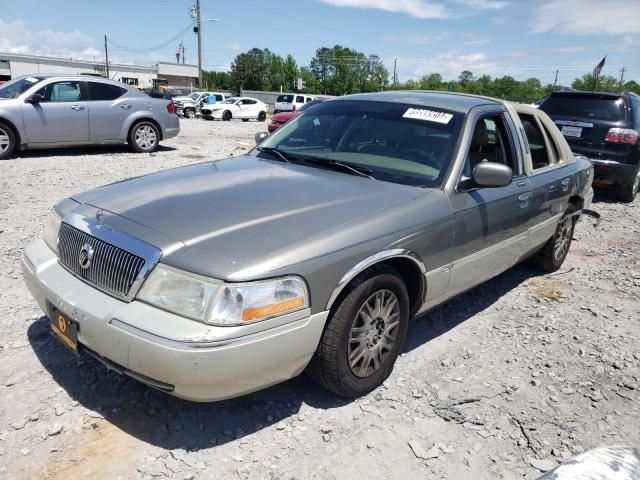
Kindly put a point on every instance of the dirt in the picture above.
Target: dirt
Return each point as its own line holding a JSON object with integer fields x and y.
{"x": 503, "y": 382}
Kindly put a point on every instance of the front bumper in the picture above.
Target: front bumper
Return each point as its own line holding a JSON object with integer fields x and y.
{"x": 188, "y": 359}
{"x": 612, "y": 174}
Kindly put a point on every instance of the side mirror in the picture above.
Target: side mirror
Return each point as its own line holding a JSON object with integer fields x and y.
{"x": 491, "y": 174}
{"x": 35, "y": 98}
{"x": 260, "y": 136}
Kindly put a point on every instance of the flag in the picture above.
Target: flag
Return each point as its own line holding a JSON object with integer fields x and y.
{"x": 598, "y": 69}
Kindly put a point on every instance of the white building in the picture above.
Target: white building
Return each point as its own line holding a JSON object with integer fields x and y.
{"x": 162, "y": 74}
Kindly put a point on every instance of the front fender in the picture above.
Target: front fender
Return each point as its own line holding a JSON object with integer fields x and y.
{"x": 15, "y": 120}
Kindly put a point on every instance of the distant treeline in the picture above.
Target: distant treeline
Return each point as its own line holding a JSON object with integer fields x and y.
{"x": 339, "y": 70}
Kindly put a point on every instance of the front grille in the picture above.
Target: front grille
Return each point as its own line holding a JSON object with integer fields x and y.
{"x": 112, "y": 269}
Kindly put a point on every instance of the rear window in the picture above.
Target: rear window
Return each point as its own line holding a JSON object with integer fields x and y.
{"x": 596, "y": 107}
{"x": 285, "y": 98}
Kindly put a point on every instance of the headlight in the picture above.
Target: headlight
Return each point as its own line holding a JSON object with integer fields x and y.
{"x": 51, "y": 229}
{"x": 251, "y": 302}
{"x": 222, "y": 304}
{"x": 179, "y": 292}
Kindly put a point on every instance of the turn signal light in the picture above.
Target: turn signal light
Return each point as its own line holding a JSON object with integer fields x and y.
{"x": 622, "y": 135}
{"x": 273, "y": 309}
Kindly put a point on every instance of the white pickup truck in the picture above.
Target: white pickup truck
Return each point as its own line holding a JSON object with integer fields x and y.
{"x": 189, "y": 106}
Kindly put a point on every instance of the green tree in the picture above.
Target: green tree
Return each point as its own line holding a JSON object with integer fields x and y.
{"x": 251, "y": 70}
{"x": 605, "y": 83}
{"x": 433, "y": 81}
{"x": 217, "y": 80}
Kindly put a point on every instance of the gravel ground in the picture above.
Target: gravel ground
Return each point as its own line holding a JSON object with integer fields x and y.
{"x": 502, "y": 382}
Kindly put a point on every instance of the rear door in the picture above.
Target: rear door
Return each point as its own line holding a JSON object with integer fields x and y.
{"x": 61, "y": 117}
{"x": 585, "y": 118}
{"x": 108, "y": 109}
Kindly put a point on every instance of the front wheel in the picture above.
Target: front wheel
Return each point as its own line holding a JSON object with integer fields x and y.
{"x": 628, "y": 194}
{"x": 364, "y": 335}
{"x": 7, "y": 141}
{"x": 226, "y": 116}
{"x": 190, "y": 113}
{"x": 552, "y": 255}
{"x": 144, "y": 137}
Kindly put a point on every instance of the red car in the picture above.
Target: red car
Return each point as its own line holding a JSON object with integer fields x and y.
{"x": 279, "y": 119}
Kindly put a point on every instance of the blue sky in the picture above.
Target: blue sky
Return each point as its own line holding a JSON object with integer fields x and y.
{"x": 498, "y": 37}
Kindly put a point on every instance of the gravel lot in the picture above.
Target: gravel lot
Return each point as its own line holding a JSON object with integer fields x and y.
{"x": 502, "y": 382}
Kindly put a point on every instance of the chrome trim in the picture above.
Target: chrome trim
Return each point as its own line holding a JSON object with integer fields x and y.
{"x": 372, "y": 260}
{"x": 123, "y": 242}
{"x": 569, "y": 123}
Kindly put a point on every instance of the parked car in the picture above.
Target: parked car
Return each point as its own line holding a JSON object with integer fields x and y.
{"x": 161, "y": 95}
{"x": 290, "y": 102}
{"x": 281, "y": 118}
{"x": 245, "y": 108}
{"x": 190, "y": 105}
{"x": 314, "y": 250}
{"x": 44, "y": 111}
{"x": 604, "y": 128}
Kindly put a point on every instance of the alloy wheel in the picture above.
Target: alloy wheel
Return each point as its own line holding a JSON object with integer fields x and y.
{"x": 373, "y": 333}
{"x": 5, "y": 142}
{"x": 146, "y": 137}
{"x": 563, "y": 238}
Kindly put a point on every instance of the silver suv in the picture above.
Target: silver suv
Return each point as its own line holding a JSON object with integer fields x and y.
{"x": 43, "y": 111}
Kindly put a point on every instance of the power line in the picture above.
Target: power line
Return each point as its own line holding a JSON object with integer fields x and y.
{"x": 154, "y": 48}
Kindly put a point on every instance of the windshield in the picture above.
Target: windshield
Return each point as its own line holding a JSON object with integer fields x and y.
{"x": 285, "y": 98}
{"x": 230, "y": 100}
{"x": 400, "y": 143}
{"x": 308, "y": 104}
{"x": 17, "y": 87}
{"x": 594, "y": 106}
{"x": 194, "y": 96}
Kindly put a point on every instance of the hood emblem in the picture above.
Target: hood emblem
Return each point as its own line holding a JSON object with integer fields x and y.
{"x": 86, "y": 256}
{"x": 99, "y": 218}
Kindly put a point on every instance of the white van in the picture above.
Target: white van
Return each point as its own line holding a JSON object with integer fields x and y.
{"x": 289, "y": 102}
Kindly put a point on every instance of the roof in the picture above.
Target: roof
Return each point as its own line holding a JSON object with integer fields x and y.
{"x": 457, "y": 102}
{"x": 579, "y": 93}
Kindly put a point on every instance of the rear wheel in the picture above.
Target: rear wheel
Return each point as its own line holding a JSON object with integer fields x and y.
{"x": 262, "y": 116}
{"x": 226, "y": 116}
{"x": 7, "y": 141}
{"x": 552, "y": 255}
{"x": 364, "y": 335}
{"x": 190, "y": 113}
{"x": 144, "y": 137}
{"x": 628, "y": 193}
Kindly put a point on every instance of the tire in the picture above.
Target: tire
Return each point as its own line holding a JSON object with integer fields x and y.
{"x": 628, "y": 194}
{"x": 262, "y": 116}
{"x": 144, "y": 137}
{"x": 348, "y": 368}
{"x": 190, "y": 113}
{"x": 226, "y": 116}
{"x": 7, "y": 141}
{"x": 552, "y": 255}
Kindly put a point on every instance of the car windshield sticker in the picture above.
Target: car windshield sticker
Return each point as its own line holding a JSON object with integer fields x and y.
{"x": 428, "y": 115}
{"x": 31, "y": 79}
{"x": 316, "y": 121}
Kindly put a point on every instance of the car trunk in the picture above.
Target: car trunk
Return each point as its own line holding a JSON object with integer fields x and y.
{"x": 585, "y": 118}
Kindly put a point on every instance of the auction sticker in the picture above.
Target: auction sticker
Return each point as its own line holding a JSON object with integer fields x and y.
{"x": 427, "y": 115}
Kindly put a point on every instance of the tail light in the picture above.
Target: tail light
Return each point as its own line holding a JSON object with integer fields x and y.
{"x": 622, "y": 135}
{"x": 171, "y": 108}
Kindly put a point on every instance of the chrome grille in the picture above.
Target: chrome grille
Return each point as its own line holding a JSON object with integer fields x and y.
{"x": 112, "y": 269}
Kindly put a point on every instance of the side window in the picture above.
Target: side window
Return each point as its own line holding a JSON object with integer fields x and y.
{"x": 299, "y": 99}
{"x": 491, "y": 143}
{"x": 539, "y": 153}
{"x": 219, "y": 98}
{"x": 58, "y": 92}
{"x": 250, "y": 102}
{"x": 309, "y": 99}
{"x": 555, "y": 158}
{"x": 104, "y": 91}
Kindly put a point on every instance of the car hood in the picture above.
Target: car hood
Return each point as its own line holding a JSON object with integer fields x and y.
{"x": 285, "y": 116}
{"x": 214, "y": 218}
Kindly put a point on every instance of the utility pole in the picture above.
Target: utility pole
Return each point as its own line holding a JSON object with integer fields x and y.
{"x": 621, "y": 77}
{"x": 106, "y": 56}
{"x": 555, "y": 82}
{"x": 395, "y": 71}
{"x": 199, "y": 31}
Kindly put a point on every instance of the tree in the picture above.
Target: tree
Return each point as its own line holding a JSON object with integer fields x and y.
{"x": 432, "y": 81}
{"x": 217, "y": 80}
{"x": 605, "y": 83}
{"x": 251, "y": 70}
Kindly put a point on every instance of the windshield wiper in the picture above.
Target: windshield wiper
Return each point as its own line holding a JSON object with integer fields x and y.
{"x": 344, "y": 167}
{"x": 281, "y": 154}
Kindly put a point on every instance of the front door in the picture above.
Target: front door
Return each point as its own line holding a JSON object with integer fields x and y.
{"x": 490, "y": 224}
{"x": 61, "y": 116}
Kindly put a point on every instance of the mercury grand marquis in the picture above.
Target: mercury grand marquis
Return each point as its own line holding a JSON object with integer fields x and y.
{"x": 311, "y": 252}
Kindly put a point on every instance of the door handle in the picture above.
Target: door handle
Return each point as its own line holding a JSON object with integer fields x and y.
{"x": 521, "y": 183}
{"x": 125, "y": 106}
{"x": 77, "y": 107}
{"x": 525, "y": 196}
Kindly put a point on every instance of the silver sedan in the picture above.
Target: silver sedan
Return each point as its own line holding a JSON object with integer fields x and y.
{"x": 44, "y": 111}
